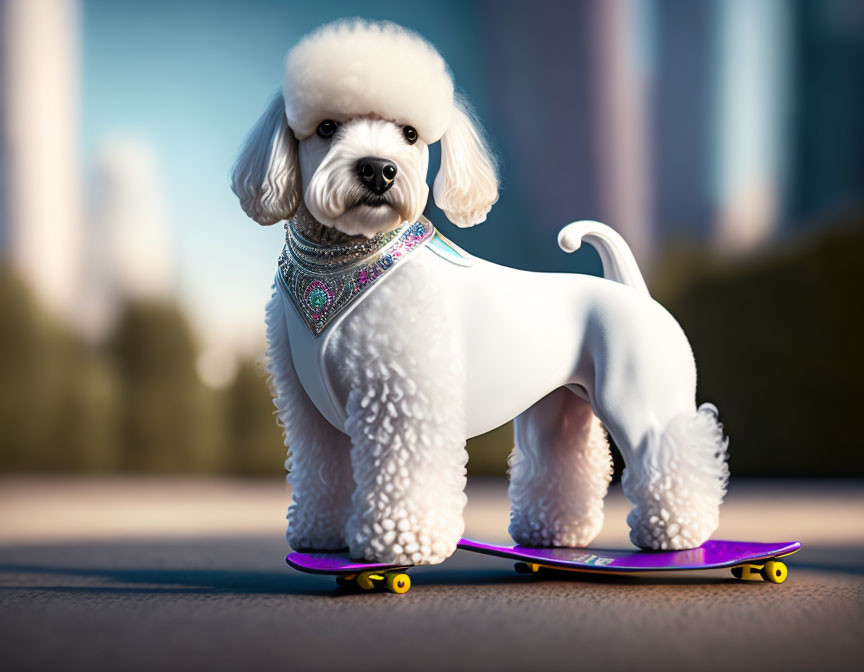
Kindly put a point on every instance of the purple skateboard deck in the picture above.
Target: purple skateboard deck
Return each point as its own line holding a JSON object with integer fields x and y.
{"x": 335, "y": 563}
{"x": 710, "y": 555}
{"x": 353, "y": 573}
{"x": 749, "y": 561}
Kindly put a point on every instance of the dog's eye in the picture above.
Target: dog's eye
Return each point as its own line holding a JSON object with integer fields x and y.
{"x": 410, "y": 134}
{"x": 327, "y": 128}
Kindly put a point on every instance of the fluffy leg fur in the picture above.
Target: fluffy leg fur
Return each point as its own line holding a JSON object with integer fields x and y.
{"x": 319, "y": 462}
{"x": 676, "y": 481}
{"x": 560, "y": 470}
{"x": 406, "y": 421}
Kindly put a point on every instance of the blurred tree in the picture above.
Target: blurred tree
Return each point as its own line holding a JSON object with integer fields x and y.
{"x": 488, "y": 453}
{"x": 84, "y": 427}
{"x": 30, "y": 355}
{"x": 255, "y": 445}
{"x": 170, "y": 421}
{"x": 57, "y": 397}
{"x": 777, "y": 339}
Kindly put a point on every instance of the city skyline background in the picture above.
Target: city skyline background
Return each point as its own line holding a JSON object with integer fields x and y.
{"x": 717, "y": 136}
{"x": 665, "y": 119}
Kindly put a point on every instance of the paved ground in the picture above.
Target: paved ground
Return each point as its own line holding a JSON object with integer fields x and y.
{"x": 79, "y": 591}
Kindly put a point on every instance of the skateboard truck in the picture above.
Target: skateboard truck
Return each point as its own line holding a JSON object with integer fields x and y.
{"x": 394, "y": 581}
{"x": 772, "y": 571}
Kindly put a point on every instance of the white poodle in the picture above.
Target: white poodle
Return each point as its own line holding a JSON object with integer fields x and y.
{"x": 390, "y": 346}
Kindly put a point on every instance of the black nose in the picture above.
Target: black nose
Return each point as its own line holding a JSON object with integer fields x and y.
{"x": 376, "y": 174}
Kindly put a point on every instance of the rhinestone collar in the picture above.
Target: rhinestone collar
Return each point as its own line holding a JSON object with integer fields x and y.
{"x": 323, "y": 280}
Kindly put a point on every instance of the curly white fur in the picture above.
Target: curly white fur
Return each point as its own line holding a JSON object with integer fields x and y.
{"x": 676, "y": 482}
{"x": 466, "y": 187}
{"x": 354, "y": 68}
{"x": 266, "y": 175}
{"x": 405, "y": 417}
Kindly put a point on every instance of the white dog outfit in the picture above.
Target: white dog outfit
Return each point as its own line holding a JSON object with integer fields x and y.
{"x": 389, "y": 345}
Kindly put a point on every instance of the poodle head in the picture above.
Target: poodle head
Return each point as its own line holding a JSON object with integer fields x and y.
{"x": 349, "y": 135}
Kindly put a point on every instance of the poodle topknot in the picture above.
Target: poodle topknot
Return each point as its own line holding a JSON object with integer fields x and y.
{"x": 354, "y": 67}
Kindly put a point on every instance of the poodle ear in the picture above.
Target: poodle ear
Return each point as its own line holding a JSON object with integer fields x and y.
{"x": 266, "y": 177}
{"x": 466, "y": 187}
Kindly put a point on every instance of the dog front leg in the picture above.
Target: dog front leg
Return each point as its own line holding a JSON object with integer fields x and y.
{"x": 319, "y": 469}
{"x": 319, "y": 462}
{"x": 405, "y": 414}
{"x": 409, "y": 469}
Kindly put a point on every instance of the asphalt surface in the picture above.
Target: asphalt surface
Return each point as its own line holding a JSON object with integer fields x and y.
{"x": 228, "y": 602}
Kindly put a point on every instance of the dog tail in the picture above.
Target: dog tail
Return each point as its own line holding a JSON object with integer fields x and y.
{"x": 619, "y": 264}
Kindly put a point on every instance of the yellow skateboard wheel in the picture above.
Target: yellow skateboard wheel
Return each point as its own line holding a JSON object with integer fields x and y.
{"x": 774, "y": 571}
{"x": 398, "y": 583}
{"x": 364, "y": 581}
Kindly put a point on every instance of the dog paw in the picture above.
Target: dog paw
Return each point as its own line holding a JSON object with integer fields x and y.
{"x": 670, "y": 514}
{"x": 316, "y": 540}
{"x": 656, "y": 528}
{"x": 677, "y": 484}
{"x": 318, "y": 528}
{"x": 562, "y": 535}
{"x": 402, "y": 541}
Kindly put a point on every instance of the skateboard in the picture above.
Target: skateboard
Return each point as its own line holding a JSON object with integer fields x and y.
{"x": 749, "y": 561}
{"x": 350, "y": 573}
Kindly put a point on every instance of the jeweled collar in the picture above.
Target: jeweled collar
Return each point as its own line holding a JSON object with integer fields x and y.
{"x": 323, "y": 280}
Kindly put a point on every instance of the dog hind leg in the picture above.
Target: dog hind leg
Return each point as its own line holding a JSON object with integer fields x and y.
{"x": 675, "y": 476}
{"x": 560, "y": 470}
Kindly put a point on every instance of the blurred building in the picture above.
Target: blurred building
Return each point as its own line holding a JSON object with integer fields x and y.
{"x": 750, "y": 128}
{"x": 825, "y": 171}
{"x": 620, "y": 34}
{"x": 684, "y": 46}
{"x": 570, "y": 112}
{"x": 734, "y": 122}
{"x": 40, "y": 199}
{"x": 128, "y": 249}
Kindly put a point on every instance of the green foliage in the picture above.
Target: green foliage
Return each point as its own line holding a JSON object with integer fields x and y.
{"x": 254, "y": 438}
{"x": 170, "y": 422}
{"x": 29, "y": 359}
{"x": 57, "y": 397}
{"x": 777, "y": 339}
{"x": 488, "y": 453}
{"x": 84, "y": 427}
